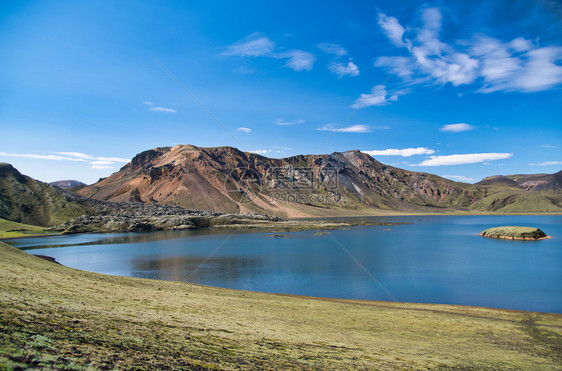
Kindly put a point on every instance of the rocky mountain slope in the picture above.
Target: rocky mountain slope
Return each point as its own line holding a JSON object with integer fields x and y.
{"x": 25, "y": 200}
{"x": 551, "y": 183}
{"x": 228, "y": 180}
{"x": 68, "y": 184}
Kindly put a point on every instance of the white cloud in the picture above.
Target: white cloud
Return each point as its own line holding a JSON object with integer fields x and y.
{"x": 260, "y": 151}
{"x": 336, "y": 66}
{"x": 470, "y": 158}
{"x": 244, "y": 130}
{"x": 344, "y": 69}
{"x": 334, "y": 49}
{"x": 162, "y": 109}
{"x": 547, "y": 163}
{"x": 457, "y": 128}
{"x": 378, "y": 97}
{"x": 41, "y": 157}
{"x": 392, "y": 28}
{"x": 148, "y": 103}
{"x": 516, "y": 65}
{"x": 258, "y": 45}
{"x": 406, "y": 152}
{"x": 253, "y": 45}
{"x": 282, "y": 122}
{"x": 298, "y": 60}
{"x": 95, "y": 162}
{"x": 548, "y": 146}
{"x": 459, "y": 178}
{"x": 349, "y": 129}
{"x": 84, "y": 156}
{"x": 98, "y": 163}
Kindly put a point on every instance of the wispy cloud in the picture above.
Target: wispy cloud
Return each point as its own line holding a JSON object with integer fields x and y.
{"x": 334, "y": 49}
{"x": 469, "y": 158}
{"x": 459, "y": 178}
{"x": 154, "y": 108}
{"x": 336, "y": 65}
{"x": 548, "y": 146}
{"x": 406, "y": 152}
{"x": 258, "y": 45}
{"x": 344, "y": 69}
{"x": 244, "y": 130}
{"x": 298, "y": 60}
{"x": 162, "y": 109}
{"x": 83, "y": 156}
{"x": 282, "y": 122}
{"x": 41, "y": 157}
{"x": 547, "y": 163}
{"x": 392, "y": 29}
{"x": 377, "y": 97}
{"x": 260, "y": 151}
{"x": 253, "y": 45}
{"x": 96, "y": 162}
{"x": 488, "y": 63}
{"x": 457, "y": 128}
{"x": 348, "y": 129}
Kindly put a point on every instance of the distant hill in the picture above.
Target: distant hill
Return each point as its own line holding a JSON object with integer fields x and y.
{"x": 551, "y": 183}
{"x": 25, "y": 200}
{"x": 226, "y": 179}
{"x": 522, "y": 193}
{"x": 68, "y": 184}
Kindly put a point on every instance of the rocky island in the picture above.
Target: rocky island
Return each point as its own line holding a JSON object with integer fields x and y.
{"x": 515, "y": 233}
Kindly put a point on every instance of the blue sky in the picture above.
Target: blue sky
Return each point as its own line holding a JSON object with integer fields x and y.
{"x": 463, "y": 89}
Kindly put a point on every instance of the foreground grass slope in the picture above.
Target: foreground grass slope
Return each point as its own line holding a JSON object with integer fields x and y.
{"x": 56, "y": 317}
{"x": 9, "y": 229}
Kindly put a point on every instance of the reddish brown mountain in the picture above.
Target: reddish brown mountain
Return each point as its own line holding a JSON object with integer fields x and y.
{"x": 228, "y": 180}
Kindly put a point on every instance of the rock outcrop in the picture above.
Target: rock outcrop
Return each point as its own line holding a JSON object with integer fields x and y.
{"x": 515, "y": 233}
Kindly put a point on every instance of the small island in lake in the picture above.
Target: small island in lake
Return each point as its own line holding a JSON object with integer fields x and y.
{"x": 515, "y": 233}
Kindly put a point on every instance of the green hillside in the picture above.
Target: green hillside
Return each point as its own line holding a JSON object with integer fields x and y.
{"x": 28, "y": 201}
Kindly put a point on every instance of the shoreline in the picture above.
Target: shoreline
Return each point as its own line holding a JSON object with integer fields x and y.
{"x": 54, "y": 316}
{"x": 271, "y": 225}
{"x": 515, "y": 238}
{"x": 323, "y": 298}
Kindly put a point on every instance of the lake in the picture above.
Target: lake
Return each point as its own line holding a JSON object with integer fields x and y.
{"x": 435, "y": 259}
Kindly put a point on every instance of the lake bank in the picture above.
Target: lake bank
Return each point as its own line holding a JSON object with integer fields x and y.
{"x": 422, "y": 259}
{"x": 56, "y": 317}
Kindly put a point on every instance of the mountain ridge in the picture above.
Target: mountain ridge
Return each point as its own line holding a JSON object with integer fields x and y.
{"x": 226, "y": 179}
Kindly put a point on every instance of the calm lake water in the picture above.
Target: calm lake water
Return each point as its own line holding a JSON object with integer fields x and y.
{"x": 436, "y": 259}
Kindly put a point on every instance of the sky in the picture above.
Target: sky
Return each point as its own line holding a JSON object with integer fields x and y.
{"x": 461, "y": 89}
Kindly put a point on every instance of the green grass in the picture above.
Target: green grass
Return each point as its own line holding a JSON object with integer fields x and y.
{"x": 54, "y": 317}
{"x": 9, "y": 229}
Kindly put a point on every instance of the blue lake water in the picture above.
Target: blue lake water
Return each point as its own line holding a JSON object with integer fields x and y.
{"x": 435, "y": 259}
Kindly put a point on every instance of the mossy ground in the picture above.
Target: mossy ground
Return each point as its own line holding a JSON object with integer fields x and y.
{"x": 9, "y": 229}
{"x": 54, "y": 317}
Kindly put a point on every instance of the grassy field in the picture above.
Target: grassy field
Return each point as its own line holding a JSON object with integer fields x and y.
{"x": 9, "y": 229}
{"x": 54, "y": 317}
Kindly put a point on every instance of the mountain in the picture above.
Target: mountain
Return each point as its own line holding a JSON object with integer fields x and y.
{"x": 68, "y": 184}
{"x": 522, "y": 193}
{"x": 25, "y": 200}
{"x": 551, "y": 183}
{"x": 228, "y": 180}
